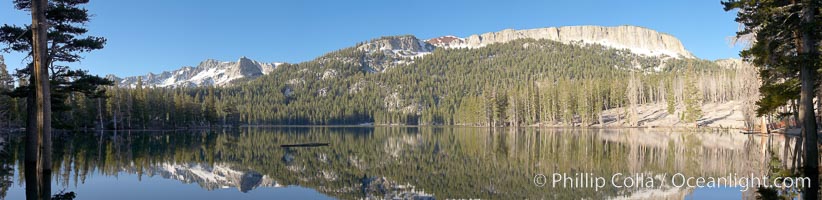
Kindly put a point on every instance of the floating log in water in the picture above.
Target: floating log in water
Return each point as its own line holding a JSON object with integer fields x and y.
{"x": 304, "y": 145}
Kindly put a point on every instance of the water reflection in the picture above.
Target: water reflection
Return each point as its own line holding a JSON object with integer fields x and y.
{"x": 440, "y": 162}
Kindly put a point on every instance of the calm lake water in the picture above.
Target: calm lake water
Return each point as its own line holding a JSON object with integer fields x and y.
{"x": 390, "y": 162}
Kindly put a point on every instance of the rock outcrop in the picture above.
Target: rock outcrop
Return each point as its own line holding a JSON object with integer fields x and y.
{"x": 446, "y": 41}
{"x": 391, "y": 51}
{"x": 733, "y": 63}
{"x": 636, "y": 39}
{"x": 399, "y": 46}
{"x": 246, "y": 68}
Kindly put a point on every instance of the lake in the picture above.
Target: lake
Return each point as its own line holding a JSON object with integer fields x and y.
{"x": 397, "y": 162}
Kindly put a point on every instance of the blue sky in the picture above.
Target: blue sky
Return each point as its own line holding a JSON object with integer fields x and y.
{"x": 155, "y": 35}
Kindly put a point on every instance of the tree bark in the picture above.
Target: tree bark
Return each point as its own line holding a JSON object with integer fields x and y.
{"x": 32, "y": 150}
{"x": 43, "y": 96}
{"x": 809, "y": 54}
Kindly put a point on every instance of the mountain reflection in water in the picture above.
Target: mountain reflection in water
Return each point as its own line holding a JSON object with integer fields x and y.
{"x": 392, "y": 162}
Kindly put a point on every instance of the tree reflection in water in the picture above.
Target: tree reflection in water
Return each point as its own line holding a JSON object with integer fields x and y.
{"x": 441, "y": 162}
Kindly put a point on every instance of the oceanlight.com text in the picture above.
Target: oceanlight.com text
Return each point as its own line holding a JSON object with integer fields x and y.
{"x": 646, "y": 180}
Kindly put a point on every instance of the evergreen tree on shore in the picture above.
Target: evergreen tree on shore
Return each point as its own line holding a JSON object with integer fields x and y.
{"x": 786, "y": 51}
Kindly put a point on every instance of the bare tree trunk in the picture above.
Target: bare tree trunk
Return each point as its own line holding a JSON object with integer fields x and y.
{"x": 797, "y": 154}
{"x": 32, "y": 151}
{"x": 100, "y": 111}
{"x": 634, "y": 94}
{"x": 808, "y": 74}
{"x": 602, "y": 112}
{"x": 43, "y": 94}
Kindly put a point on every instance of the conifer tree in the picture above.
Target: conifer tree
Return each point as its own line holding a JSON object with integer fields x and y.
{"x": 693, "y": 100}
{"x": 6, "y": 102}
{"x": 670, "y": 97}
{"x": 786, "y": 51}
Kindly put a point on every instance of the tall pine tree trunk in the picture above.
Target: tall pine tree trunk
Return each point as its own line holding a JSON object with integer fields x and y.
{"x": 809, "y": 54}
{"x": 43, "y": 96}
{"x": 100, "y": 111}
{"x": 32, "y": 138}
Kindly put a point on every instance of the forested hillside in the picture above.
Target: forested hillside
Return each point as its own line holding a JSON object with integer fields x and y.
{"x": 518, "y": 83}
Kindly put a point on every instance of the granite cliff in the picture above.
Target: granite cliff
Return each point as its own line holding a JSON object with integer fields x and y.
{"x": 638, "y": 40}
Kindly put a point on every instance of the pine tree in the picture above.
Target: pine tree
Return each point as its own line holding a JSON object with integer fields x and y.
{"x": 693, "y": 100}
{"x": 500, "y": 107}
{"x": 5, "y": 101}
{"x": 209, "y": 107}
{"x": 670, "y": 98}
{"x": 138, "y": 104}
{"x": 66, "y": 39}
{"x": 489, "y": 96}
{"x": 786, "y": 51}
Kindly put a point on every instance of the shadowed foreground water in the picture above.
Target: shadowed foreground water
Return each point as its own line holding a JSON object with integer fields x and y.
{"x": 387, "y": 162}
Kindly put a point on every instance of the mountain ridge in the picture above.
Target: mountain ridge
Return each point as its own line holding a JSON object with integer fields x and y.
{"x": 207, "y": 73}
{"x": 637, "y": 39}
{"x": 390, "y": 51}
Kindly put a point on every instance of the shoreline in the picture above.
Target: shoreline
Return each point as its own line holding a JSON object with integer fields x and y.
{"x": 595, "y": 127}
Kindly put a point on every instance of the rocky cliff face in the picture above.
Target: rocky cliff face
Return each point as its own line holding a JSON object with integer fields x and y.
{"x": 246, "y": 68}
{"x": 399, "y": 46}
{"x": 446, "y": 41}
{"x": 636, "y": 39}
{"x": 207, "y": 73}
{"x": 391, "y": 51}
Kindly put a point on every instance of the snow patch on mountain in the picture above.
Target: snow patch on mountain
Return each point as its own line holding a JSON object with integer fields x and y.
{"x": 211, "y": 177}
{"x": 208, "y": 73}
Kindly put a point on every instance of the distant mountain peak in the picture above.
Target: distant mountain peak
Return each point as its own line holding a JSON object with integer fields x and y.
{"x": 209, "y": 72}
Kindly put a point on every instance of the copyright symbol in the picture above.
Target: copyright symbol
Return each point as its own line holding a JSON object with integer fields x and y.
{"x": 540, "y": 180}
